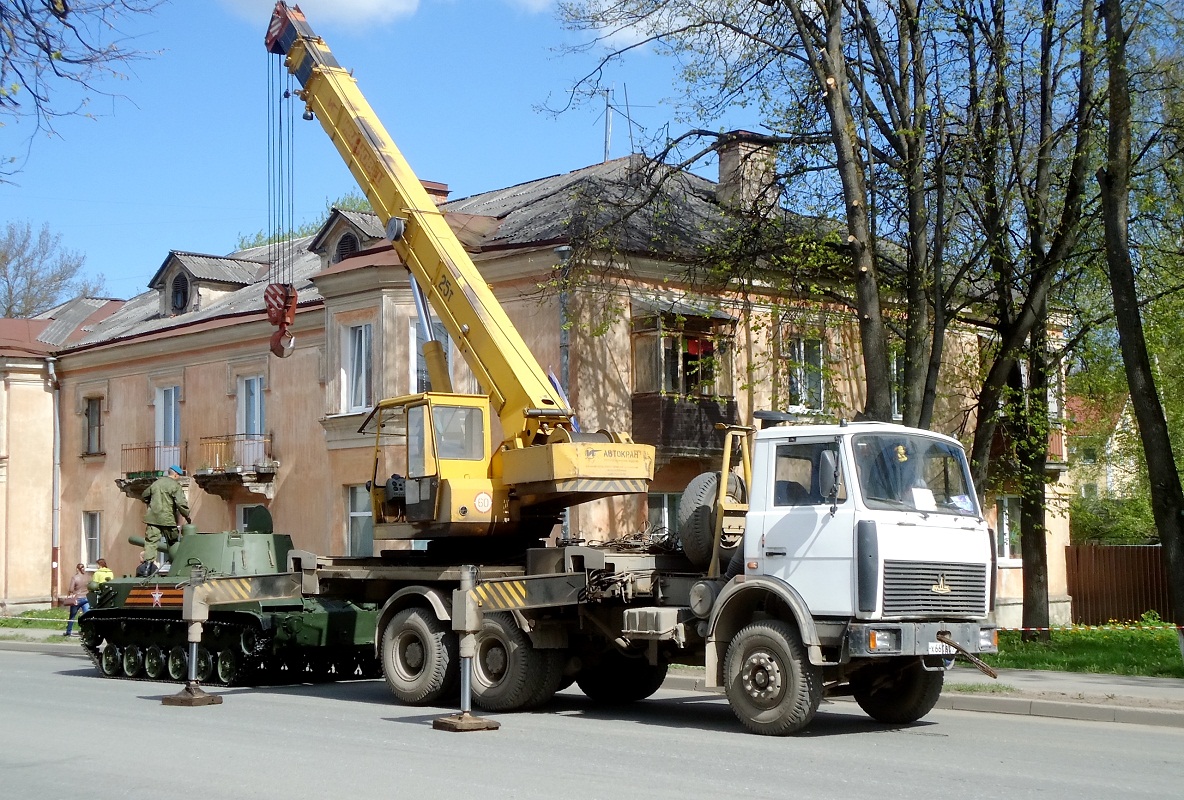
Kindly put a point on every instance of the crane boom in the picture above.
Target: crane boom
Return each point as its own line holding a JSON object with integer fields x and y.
{"x": 458, "y": 482}
{"x": 518, "y": 387}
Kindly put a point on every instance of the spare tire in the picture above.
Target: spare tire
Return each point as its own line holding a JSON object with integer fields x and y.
{"x": 697, "y": 516}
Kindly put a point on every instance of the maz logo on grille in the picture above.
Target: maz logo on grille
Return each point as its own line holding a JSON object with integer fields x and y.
{"x": 941, "y": 587}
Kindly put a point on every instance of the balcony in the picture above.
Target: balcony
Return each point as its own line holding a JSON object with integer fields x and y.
{"x": 144, "y": 462}
{"x": 236, "y": 463}
{"x": 681, "y": 427}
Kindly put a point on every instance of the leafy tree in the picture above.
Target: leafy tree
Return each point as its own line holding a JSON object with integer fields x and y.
{"x": 56, "y": 54}
{"x": 350, "y": 201}
{"x": 36, "y": 274}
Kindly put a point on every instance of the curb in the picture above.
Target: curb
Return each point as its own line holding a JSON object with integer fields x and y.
{"x": 954, "y": 701}
{"x": 72, "y": 649}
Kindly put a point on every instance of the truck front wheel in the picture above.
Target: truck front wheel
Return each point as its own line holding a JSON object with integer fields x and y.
{"x": 771, "y": 684}
{"x": 897, "y": 692}
{"x": 419, "y": 657}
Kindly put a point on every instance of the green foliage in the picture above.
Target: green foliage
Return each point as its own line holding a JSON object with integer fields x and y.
{"x": 50, "y": 619}
{"x": 1148, "y": 648}
{"x": 350, "y": 201}
{"x": 1110, "y": 520}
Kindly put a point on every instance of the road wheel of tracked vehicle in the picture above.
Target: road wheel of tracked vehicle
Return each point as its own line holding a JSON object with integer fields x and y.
{"x": 897, "y": 692}
{"x": 178, "y": 663}
{"x": 419, "y": 657}
{"x": 154, "y": 662}
{"x": 507, "y": 669}
{"x": 771, "y": 684}
{"x": 133, "y": 660}
{"x": 696, "y": 518}
{"x": 205, "y": 664}
{"x": 619, "y": 678}
{"x": 227, "y": 666}
{"x": 109, "y": 660}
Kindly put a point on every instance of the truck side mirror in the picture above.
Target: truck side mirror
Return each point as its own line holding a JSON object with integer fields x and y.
{"x": 827, "y": 466}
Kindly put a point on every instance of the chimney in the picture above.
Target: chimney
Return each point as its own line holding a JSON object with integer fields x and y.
{"x": 747, "y": 168}
{"x": 437, "y": 191}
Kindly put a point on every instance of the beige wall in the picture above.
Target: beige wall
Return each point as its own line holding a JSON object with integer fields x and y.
{"x": 26, "y": 484}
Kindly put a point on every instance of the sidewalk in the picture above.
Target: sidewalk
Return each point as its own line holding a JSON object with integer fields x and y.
{"x": 1037, "y": 693}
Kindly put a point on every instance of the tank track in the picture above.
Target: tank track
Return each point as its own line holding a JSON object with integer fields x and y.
{"x": 232, "y": 653}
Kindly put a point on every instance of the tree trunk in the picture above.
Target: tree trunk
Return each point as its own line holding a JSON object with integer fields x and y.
{"x": 1032, "y": 449}
{"x": 1167, "y": 497}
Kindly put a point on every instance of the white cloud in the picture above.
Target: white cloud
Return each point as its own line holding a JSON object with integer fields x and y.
{"x": 346, "y": 13}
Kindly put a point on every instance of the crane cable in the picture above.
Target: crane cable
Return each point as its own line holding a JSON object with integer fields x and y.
{"x": 279, "y": 297}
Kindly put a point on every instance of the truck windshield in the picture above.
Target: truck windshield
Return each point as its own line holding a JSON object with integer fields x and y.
{"x": 907, "y": 472}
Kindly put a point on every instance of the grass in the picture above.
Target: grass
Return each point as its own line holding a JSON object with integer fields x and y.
{"x": 49, "y": 619}
{"x": 1147, "y": 648}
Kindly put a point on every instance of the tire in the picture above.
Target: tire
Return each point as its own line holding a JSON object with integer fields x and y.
{"x": 154, "y": 662}
{"x": 771, "y": 685}
{"x": 227, "y": 666}
{"x": 508, "y": 672}
{"x": 110, "y": 661}
{"x": 133, "y": 660}
{"x": 178, "y": 664}
{"x": 617, "y": 678}
{"x": 419, "y": 657}
{"x": 897, "y": 692}
{"x": 697, "y": 514}
{"x": 551, "y": 681}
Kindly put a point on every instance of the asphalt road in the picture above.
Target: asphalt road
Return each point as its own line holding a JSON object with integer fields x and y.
{"x": 65, "y": 732}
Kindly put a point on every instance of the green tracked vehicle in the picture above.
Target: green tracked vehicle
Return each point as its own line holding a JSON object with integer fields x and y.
{"x": 135, "y": 630}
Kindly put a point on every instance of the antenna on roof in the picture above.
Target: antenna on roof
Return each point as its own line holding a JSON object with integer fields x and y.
{"x": 608, "y": 121}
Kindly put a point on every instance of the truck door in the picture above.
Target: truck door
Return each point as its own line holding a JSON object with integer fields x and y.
{"x": 808, "y": 523}
{"x": 422, "y": 471}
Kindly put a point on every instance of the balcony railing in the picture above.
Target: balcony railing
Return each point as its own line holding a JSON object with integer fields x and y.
{"x": 234, "y": 452}
{"x": 150, "y": 459}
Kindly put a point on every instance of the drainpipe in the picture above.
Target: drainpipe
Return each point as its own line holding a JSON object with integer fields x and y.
{"x": 56, "y": 516}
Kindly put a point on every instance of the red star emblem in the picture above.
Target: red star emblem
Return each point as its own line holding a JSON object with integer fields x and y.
{"x": 156, "y": 595}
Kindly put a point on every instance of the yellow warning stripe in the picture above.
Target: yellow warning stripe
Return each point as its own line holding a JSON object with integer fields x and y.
{"x": 228, "y": 590}
{"x": 501, "y": 595}
{"x": 615, "y": 486}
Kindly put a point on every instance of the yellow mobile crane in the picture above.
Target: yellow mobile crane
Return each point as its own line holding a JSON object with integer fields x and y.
{"x": 457, "y": 482}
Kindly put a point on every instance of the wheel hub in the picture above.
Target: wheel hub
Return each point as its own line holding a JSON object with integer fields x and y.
{"x": 762, "y": 678}
{"x": 412, "y": 655}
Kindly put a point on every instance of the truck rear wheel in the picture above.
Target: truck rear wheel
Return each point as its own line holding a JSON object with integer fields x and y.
{"x": 508, "y": 672}
{"x": 617, "y": 678}
{"x": 771, "y": 685}
{"x": 419, "y": 657}
{"x": 897, "y": 692}
{"x": 697, "y": 514}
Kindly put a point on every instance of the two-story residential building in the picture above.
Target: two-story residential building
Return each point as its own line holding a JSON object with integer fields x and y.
{"x": 183, "y": 373}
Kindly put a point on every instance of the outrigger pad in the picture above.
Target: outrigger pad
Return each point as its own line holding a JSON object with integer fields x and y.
{"x": 192, "y": 695}
{"x": 462, "y": 723}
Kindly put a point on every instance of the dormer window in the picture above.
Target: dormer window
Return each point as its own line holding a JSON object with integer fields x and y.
{"x": 347, "y": 245}
{"x": 180, "y": 293}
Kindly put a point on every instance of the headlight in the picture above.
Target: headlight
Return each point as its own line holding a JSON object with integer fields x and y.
{"x": 988, "y": 640}
{"x": 883, "y": 641}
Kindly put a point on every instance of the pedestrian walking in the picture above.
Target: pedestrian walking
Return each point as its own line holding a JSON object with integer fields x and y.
{"x": 76, "y": 597}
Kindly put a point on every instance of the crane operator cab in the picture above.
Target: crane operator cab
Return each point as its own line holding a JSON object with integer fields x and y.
{"x": 432, "y": 468}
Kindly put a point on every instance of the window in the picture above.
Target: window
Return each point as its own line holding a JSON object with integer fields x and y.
{"x": 244, "y": 514}
{"x": 1007, "y": 526}
{"x": 359, "y": 392}
{"x": 180, "y": 295}
{"x": 252, "y": 421}
{"x": 689, "y": 356}
{"x": 92, "y": 536}
{"x": 663, "y": 512}
{"x": 360, "y": 531}
{"x": 1089, "y": 491}
{"x": 802, "y": 359}
{"x": 460, "y": 432}
{"x": 347, "y": 245}
{"x": 1089, "y": 455}
{"x": 798, "y": 476}
{"x": 906, "y": 472}
{"x": 168, "y": 426}
{"x": 897, "y": 366}
{"x": 94, "y": 425}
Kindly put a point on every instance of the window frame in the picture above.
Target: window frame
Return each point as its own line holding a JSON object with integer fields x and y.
{"x": 357, "y": 356}
{"x": 358, "y": 508}
{"x": 1007, "y": 541}
{"x": 92, "y": 537}
{"x": 804, "y": 357}
{"x": 678, "y": 346}
{"x": 92, "y": 416}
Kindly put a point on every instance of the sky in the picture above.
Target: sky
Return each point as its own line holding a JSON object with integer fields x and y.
{"x": 177, "y": 159}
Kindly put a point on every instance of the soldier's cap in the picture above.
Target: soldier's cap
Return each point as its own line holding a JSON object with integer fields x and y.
{"x": 176, "y": 469}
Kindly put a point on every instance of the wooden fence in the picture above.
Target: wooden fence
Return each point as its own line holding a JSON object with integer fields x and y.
{"x": 1116, "y": 582}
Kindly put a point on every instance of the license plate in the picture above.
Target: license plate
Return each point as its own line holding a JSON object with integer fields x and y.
{"x": 940, "y": 649}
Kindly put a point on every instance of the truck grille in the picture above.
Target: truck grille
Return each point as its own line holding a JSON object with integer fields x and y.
{"x": 919, "y": 587}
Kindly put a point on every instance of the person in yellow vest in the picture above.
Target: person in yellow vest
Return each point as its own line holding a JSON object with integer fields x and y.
{"x": 101, "y": 576}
